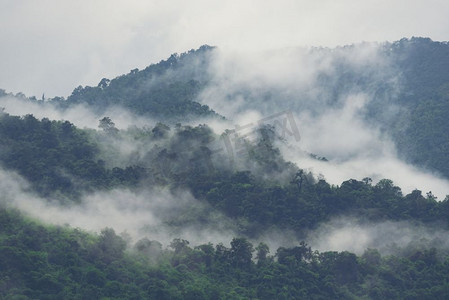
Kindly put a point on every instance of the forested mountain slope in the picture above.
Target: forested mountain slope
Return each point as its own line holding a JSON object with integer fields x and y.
{"x": 58, "y": 159}
{"x": 164, "y": 91}
{"x": 260, "y": 190}
{"x": 237, "y": 191}
{"x": 45, "y": 262}
{"x": 422, "y": 132}
{"x": 406, "y": 81}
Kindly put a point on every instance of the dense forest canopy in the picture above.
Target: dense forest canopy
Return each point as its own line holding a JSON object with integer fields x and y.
{"x": 46, "y": 262}
{"x": 164, "y": 90}
{"x": 192, "y": 210}
{"x": 406, "y": 82}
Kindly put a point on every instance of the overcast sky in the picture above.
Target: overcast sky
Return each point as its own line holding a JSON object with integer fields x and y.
{"x": 52, "y": 46}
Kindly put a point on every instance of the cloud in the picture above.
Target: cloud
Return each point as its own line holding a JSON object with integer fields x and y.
{"x": 333, "y": 94}
{"x": 356, "y": 149}
{"x": 156, "y": 214}
{"x": 80, "y": 115}
{"x": 346, "y": 234}
{"x": 161, "y": 215}
{"x": 294, "y": 78}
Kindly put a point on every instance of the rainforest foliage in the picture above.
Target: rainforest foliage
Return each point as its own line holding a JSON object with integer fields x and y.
{"x": 410, "y": 102}
{"x": 421, "y": 130}
{"x": 261, "y": 188}
{"x": 50, "y": 262}
{"x": 166, "y": 90}
{"x": 46, "y": 262}
{"x": 253, "y": 186}
{"x": 57, "y": 158}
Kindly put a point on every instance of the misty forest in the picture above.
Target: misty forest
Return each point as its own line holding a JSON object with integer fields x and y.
{"x": 303, "y": 173}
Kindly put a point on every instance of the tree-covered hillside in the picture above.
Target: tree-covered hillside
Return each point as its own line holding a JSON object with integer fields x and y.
{"x": 407, "y": 82}
{"x": 259, "y": 191}
{"x": 164, "y": 91}
{"x": 58, "y": 159}
{"x": 421, "y": 131}
{"x": 45, "y": 262}
{"x": 171, "y": 179}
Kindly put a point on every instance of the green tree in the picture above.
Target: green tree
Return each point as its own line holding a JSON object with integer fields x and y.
{"x": 241, "y": 252}
{"x": 108, "y": 126}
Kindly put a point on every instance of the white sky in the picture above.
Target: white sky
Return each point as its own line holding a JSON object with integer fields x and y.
{"x": 52, "y": 46}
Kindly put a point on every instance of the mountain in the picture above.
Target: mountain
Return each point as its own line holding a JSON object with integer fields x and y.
{"x": 198, "y": 208}
{"x": 164, "y": 91}
{"x": 421, "y": 132}
{"x": 58, "y": 159}
{"x": 406, "y": 82}
{"x": 43, "y": 262}
{"x": 259, "y": 191}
